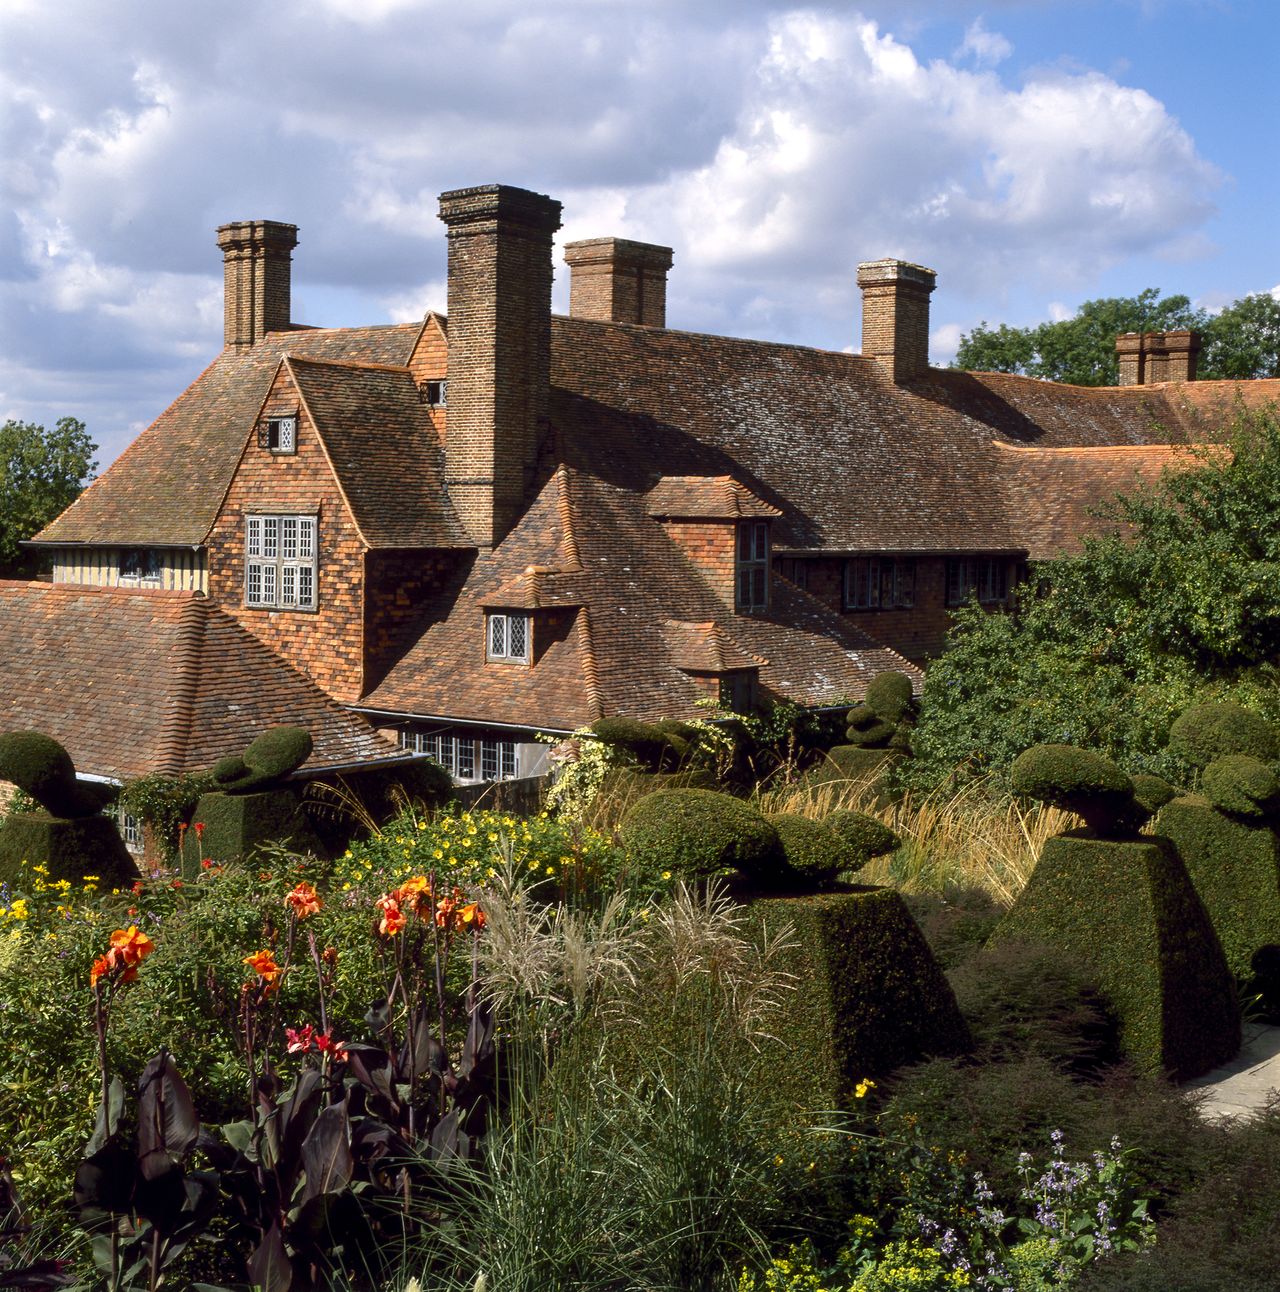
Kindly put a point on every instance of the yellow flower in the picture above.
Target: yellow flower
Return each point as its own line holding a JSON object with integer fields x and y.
{"x": 860, "y": 1090}
{"x": 437, "y": 854}
{"x": 422, "y": 825}
{"x": 666, "y": 874}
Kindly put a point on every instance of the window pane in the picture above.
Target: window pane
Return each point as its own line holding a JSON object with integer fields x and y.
{"x": 905, "y": 592}
{"x": 253, "y": 536}
{"x": 268, "y": 584}
{"x": 744, "y": 542}
{"x": 886, "y": 583}
{"x": 287, "y": 425}
{"x": 289, "y": 585}
{"x": 497, "y": 636}
{"x": 518, "y": 636}
{"x": 489, "y": 760}
{"x": 744, "y": 589}
{"x": 306, "y": 586}
{"x": 507, "y": 748}
{"x": 289, "y": 538}
{"x": 762, "y": 541}
{"x": 466, "y": 748}
{"x": 306, "y": 537}
{"x": 758, "y": 586}
{"x": 253, "y": 590}
{"x": 270, "y": 535}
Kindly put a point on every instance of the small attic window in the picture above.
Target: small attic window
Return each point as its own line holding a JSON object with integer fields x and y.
{"x": 507, "y": 638}
{"x": 279, "y": 434}
{"x": 434, "y": 393}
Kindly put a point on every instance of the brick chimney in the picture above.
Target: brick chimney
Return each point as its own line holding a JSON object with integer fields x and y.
{"x": 1146, "y": 357}
{"x": 255, "y": 273}
{"x": 499, "y": 350}
{"x": 613, "y": 280}
{"x": 895, "y": 316}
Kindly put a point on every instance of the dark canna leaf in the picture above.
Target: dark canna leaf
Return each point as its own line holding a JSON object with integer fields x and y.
{"x": 167, "y": 1123}
{"x": 297, "y": 1116}
{"x": 37, "y": 1277}
{"x": 269, "y": 1267}
{"x": 109, "y": 1112}
{"x": 104, "y": 1184}
{"x": 326, "y": 1153}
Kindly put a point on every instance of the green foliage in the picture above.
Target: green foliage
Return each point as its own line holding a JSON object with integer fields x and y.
{"x": 1241, "y": 786}
{"x": 1079, "y": 781}
{"x": 1091, "y": 658}
{"x": 653, "y": 745}
{"x": 1127, "y": 913}
{"x": 41, "y": 474}
{"x": 1207, "y": 731}
{"x": 863, "y": 835}
{"x": 870, "y": 996}
{"x": 1235, "y": 867}
{"x": 890, "y": 696}
{"x": 266, "y": 762}
{"x": 813, "y": 854}
{"x": 867, "y": 729}
{"x": 1241, "y": 341}
{"x": 64, "y": 849}
{"x": 43, "y": 769}
{"x": 699, "y": 833}
{"x": 226, "y": 827}
{"x": 164, "y": 803}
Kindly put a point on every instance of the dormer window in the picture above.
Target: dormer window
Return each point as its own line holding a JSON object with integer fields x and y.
{"x": 753, "y": 565}
{"x": 279, "y": 434}
{"x": 140, "y": 566}
{"x": 434, "y": 393}
{"x": 508, "y": 639}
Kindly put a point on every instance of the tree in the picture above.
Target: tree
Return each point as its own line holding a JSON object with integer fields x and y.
{"x": 41, "y": 474}
{"x": 1091, "y": 657}
{"x": 1241, "y": 341}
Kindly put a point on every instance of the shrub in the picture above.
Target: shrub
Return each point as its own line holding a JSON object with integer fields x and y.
{"x": 863, "y": 835}
{"x": 1208, "y": 731}
{"x": 40, "y": 767}
{"x": 1234, "y": 864}
{"x": 697, "y": 833}
{"x": 655, "y": 746}
{"x": 267, "y": 761}
{"x": 1128, "y": 916}
{"x": 889, "y": 695}
{"x": 1240, "y": 785}
{"x": 1078, "y": 781}
{"x": 867, "y": 729}
{"x": 869, "y": 997}
{"x": 812, "y": 853}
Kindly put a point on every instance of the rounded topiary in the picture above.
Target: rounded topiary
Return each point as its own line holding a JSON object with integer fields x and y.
{"x": 39, "y": 766}
{"x": 1242, "y": 786}
{"x": 863, "y": 835}
{"x": 867, "y": 729}
{"x": 814, "y": 855}
{"x": 1079, "y": 781}
{"x": 268, "y": 760}
{"x": 651, "y": 744}
{"x": 700, "y": 832}
{"x": 890, "y": 696}
{"x": 1208, "y": 731}
{"x": 1151, "y": 793}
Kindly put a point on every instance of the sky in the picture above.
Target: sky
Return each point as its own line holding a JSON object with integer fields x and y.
{"x": 1035, "y": 153}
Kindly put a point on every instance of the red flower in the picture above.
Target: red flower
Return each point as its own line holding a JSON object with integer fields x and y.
{"x": 199, "y": 829}
{"x": 299, "y": 1042}
{"x": 393, "y": 919}
{"x": 206, "y": 863}
{"x": 136, "y": 890}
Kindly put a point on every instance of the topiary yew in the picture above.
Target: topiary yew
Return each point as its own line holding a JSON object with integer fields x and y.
{"x": 863, "y": 835}
{"x": 1241, "y": 786}
{"x": 812, "y": 854}
{"x": 1079, "y": 781}
{"x": 1208, "y": 731}
{"x": 266, "y": 762}
{"x": 696, "y": 833}
{"x": 39, "y": 766}
{"x": 890, "y": 696}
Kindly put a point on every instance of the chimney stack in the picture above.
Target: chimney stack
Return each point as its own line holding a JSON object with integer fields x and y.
{"x": 1147, "y": 357}
{"x": 613, "y": 280}
{"x": 499, "y": 350}
{"x": 255, "y": 274}
{"x": 895, "y": 316}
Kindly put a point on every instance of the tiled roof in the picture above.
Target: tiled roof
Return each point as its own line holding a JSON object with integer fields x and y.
{"x": 167, "y": 486}
{"x": 705, "y": 498}
{"x": 620, "y": 655}
{"x": 134, "y": 681}
{"x": 1055, "y": 490}
{"x": 384, "y": 449}
{"x": 705, "y": 648}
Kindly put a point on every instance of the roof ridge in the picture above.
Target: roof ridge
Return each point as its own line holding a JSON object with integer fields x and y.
{"x": 1103, "y": 449}
{"x": 568, "y": 519}
{"x": 175, "y": 731}
{"x": 590, "y": 668}
{"x": 346, "y": 363}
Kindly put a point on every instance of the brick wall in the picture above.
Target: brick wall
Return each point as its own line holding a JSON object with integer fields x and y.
{"x": 615, "y": 280}
{"x": 256, "y": 278}
{"x": 712, "y": 546}
{"x": 326, "y": 643}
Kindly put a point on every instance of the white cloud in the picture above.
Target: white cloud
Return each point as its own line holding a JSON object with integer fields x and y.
{"x": 986, "y": 48}
{"x": 772, "y": 148}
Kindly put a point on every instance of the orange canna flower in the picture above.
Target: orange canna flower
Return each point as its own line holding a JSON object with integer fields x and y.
{"x": 471, "y": 916}
{"x": 100, "y": 967}
{"x": 263, "y": 963}
{"x": 303, "y": 900}
{"x": 134, "y": 945}
{"x": 393, "y": 919}
{"x": 446, "y": 909}
{"x": 413, "y": 894}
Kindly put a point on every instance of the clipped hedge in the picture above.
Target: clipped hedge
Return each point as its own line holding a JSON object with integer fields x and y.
{"x": 1208, "y": 731}
{"x": 694, "y": 833}
{"x": 1235, "y": 866}
{"x": 1242, "y": 786}
{"x": 656, "y": 746}
{"x": 68, "y": 849}
{"x": 870, "y": 996}
{"x": 863, "y": 835}
{"x": 266, "y": 762}
{"x": 1080, "y": 781}
{"x": 851, "y": 763}
{"x": 813, "y": 854}
{"x": 235, "y": 825}
{"x": 890, "y": 696}
{"x": 40, "y": 767}
{"x": 1127, "y": 913}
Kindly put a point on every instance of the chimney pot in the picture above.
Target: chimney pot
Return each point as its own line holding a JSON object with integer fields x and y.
{"x": 895, "y": 316}
{"x": 615, "y": 280}
{"x": 256, "y": 279}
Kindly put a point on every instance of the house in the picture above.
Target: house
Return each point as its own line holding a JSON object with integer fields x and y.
{"x": 501, "y": 522}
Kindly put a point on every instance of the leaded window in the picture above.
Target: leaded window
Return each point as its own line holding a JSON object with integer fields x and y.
{"x": 508, "y": 638}
{"x": 280, "y": 562}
